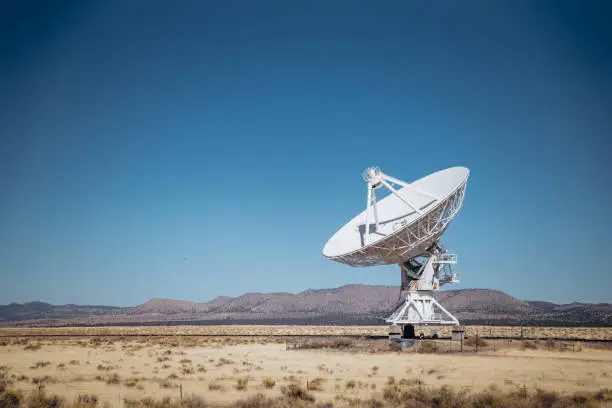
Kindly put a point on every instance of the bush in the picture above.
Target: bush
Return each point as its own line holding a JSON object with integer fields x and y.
{"x": 242, "y": 383}
{"x": 10, "y": 399}
{"x": 316, "y": 384}
{"x": 295, "y": 392}
{"x": 131, "y": 382}
{"x": 40, "y": 364}
{"x": 113, "y": 379}
{"x": 185, "y": 370}
{"x": 39, "y": 399}
{"x": 86, "y": 400}
{"x": 269, "y": 382}
{"x": 256, "y": 401}
{"x": 195, "y": 402}
{"x": 215, "y": 386}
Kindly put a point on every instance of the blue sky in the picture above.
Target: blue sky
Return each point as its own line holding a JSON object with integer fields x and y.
{"x": 194, "y": 149}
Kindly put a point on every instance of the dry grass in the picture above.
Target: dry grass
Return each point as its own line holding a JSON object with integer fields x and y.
{"x": 355, "y": 370}
{"x": 393, "y": 395}
{"x": 335, "y": 343}
{"x": 280, "y": 330}
{"x": 475, "y": 341}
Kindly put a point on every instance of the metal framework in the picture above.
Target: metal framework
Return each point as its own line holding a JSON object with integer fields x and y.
{"x": 406, "y": 240}
{"x": 419, "y": 281}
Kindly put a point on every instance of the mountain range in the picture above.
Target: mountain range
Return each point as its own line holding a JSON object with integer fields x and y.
{"x": 350, "y": 304}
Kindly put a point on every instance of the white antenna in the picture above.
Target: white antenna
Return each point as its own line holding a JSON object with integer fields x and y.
{"x": 407, "y": 227}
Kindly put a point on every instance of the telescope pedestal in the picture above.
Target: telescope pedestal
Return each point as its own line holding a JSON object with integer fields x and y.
{"x": 419, "y": 280}
{"x": 420, "y": 307}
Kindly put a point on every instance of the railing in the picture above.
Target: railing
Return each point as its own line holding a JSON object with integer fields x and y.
{"x": 446, "y": 258}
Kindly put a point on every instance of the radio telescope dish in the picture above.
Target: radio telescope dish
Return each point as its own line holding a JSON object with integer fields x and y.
{"x": 405, "y": 225}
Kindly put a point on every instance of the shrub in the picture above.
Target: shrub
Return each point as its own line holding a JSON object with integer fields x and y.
{"x": 166, "y": 384}
{"x": 269, "y": 382}
{"x": 295, "y": 392}
{"x": 39, "y": 399}
{"x": 40, "y": 364}
{"x": 257, "y": 401}
{"x": 316, "y": 384}
{"x": 187, "y": 370}
{"x": 131, "y": 382}
{"x": 224, "y": 361}
{"x": 42, "y": 380}
{"x": 194, "y": 402}
{"x": 241, "y": 384}
{"x": 113, "y": 379}
{"x": 10, "y": 399}
{"x": 215, "y": 386}
{"x": 86, "y": 400}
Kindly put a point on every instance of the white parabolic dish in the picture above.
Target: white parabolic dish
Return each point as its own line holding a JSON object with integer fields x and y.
{"x": 402, "y": 232}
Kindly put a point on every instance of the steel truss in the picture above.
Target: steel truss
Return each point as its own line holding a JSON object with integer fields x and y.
{"x": 419, "y": 280}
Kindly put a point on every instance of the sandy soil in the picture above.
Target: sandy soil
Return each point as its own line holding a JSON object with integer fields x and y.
{"x": 344, "y": 372}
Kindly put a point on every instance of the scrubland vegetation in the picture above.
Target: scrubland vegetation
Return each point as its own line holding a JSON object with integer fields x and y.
{"x": 156, "y": 371}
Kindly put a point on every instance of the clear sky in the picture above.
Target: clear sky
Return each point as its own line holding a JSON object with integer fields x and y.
{"x": 193, "y": 149}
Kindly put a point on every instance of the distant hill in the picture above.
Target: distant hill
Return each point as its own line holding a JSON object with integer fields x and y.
{"x": 16, "y": 312}
{"x": 350, "y": 304}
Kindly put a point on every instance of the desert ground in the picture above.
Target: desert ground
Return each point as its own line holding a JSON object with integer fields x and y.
{"x": 584, "y": 333}
{"x": 121, "y": 366}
